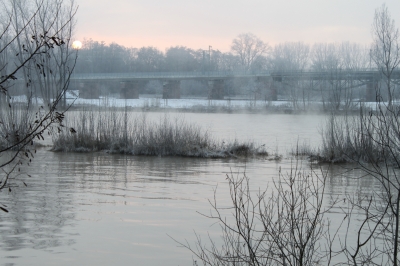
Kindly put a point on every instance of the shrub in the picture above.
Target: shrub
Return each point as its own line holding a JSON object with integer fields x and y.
{"x": 370, "y": 137}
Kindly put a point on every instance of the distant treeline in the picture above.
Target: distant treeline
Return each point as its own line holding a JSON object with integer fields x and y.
{"x": 247, "y": 52}
{"x": 336, "y": 89}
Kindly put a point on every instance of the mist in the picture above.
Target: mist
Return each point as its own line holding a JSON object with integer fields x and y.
{"x": 212, "y": 133}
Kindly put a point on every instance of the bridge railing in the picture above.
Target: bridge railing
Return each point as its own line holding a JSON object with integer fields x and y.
{"x": 168, "y": 75}
{"x": 363, "y": 73}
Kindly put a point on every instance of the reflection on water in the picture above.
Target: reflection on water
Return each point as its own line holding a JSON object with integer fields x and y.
{"x": 107, "y": 209}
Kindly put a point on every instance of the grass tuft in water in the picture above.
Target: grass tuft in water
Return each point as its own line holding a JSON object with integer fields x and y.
{"x": 117, "y": 131}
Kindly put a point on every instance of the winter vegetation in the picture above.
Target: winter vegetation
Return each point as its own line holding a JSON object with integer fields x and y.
{"x": 198, "y": 105}
{"x": 291, "y": 227}
{"x": 286, "y": 227}
{"x": 36, "y": 61}
{"x": 369, "y": 137}
{"x": 251, "y": 54}
{"x": 116, "y": 131}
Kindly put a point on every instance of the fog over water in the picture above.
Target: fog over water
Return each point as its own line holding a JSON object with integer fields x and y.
{"x": 107, "y": 209}
{"x": 269, "y": 129}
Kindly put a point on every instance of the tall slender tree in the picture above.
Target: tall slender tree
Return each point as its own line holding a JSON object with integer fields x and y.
{"x": 385, "y": 51}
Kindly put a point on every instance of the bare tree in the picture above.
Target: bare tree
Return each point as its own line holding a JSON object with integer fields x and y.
{"x": 326, "y": 59}
{"x": 149, "y": 59}
{"x": 27, "y": 50}
{"x": 249, "y": 47}
{"x": 385, "y": 48}
{"x": 371, "y": 141}
{"x": 52, "y": 76}
{"x": 287, "y": 228}
{"x": 292, "y": 58}
{"x": 338, "y": 62}
{"x": 354, "y": 58}
{"x": 181, "y": 58}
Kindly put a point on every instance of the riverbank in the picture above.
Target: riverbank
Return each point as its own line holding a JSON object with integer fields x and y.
{"x": 201, "y": 105}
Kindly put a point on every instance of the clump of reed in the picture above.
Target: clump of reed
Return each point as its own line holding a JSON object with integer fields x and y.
{"x": 370, "y": 137}
{"x": 118, "y": 131}
{"x": 15, "y": 123}
{"x": 303, "y": 149}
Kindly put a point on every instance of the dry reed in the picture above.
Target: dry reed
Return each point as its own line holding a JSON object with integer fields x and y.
{"x": 118, "y": 131}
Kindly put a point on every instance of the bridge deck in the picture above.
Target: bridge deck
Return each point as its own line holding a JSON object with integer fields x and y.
{"x": 363, "y": 74}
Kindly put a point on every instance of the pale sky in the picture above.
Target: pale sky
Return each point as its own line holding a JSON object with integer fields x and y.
{"x": 197, "y": 24}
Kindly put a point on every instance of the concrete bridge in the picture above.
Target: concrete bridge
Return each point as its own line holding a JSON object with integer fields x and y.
{"x": 131, "y": 82}
{"x": 199, "y": 75}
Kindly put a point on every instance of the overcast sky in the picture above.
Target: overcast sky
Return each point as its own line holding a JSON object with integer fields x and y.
{"x": 200, "y": 23}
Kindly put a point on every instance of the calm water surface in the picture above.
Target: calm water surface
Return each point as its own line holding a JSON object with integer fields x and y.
{"x": 101, "y": 209}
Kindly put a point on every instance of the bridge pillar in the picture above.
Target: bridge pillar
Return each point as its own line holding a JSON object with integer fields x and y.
{"x": 130, "y": 90}
{"x": 277, "y": 78}
{"x": 270, "y": 87}
{"x": 89, "y": 90}
{"x": 372, "y": 90}
{"x": 216, "y": 89}
{"x": 273, "y": 92}
{"x": 172, "y": 89}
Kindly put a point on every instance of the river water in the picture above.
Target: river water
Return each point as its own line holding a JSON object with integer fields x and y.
{"x": 102, "y": 209}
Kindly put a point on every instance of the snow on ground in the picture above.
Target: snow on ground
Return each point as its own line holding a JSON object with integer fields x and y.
{"x": 197, "y": 103}
{"x": 178, "y": 103}
{"x": 148, "y": 102}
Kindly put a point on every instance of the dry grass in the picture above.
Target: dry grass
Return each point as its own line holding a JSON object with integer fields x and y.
{"x": 14, "y": 125}
{"x": 369, "y": 137}
{"x": 119, "y": 132}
